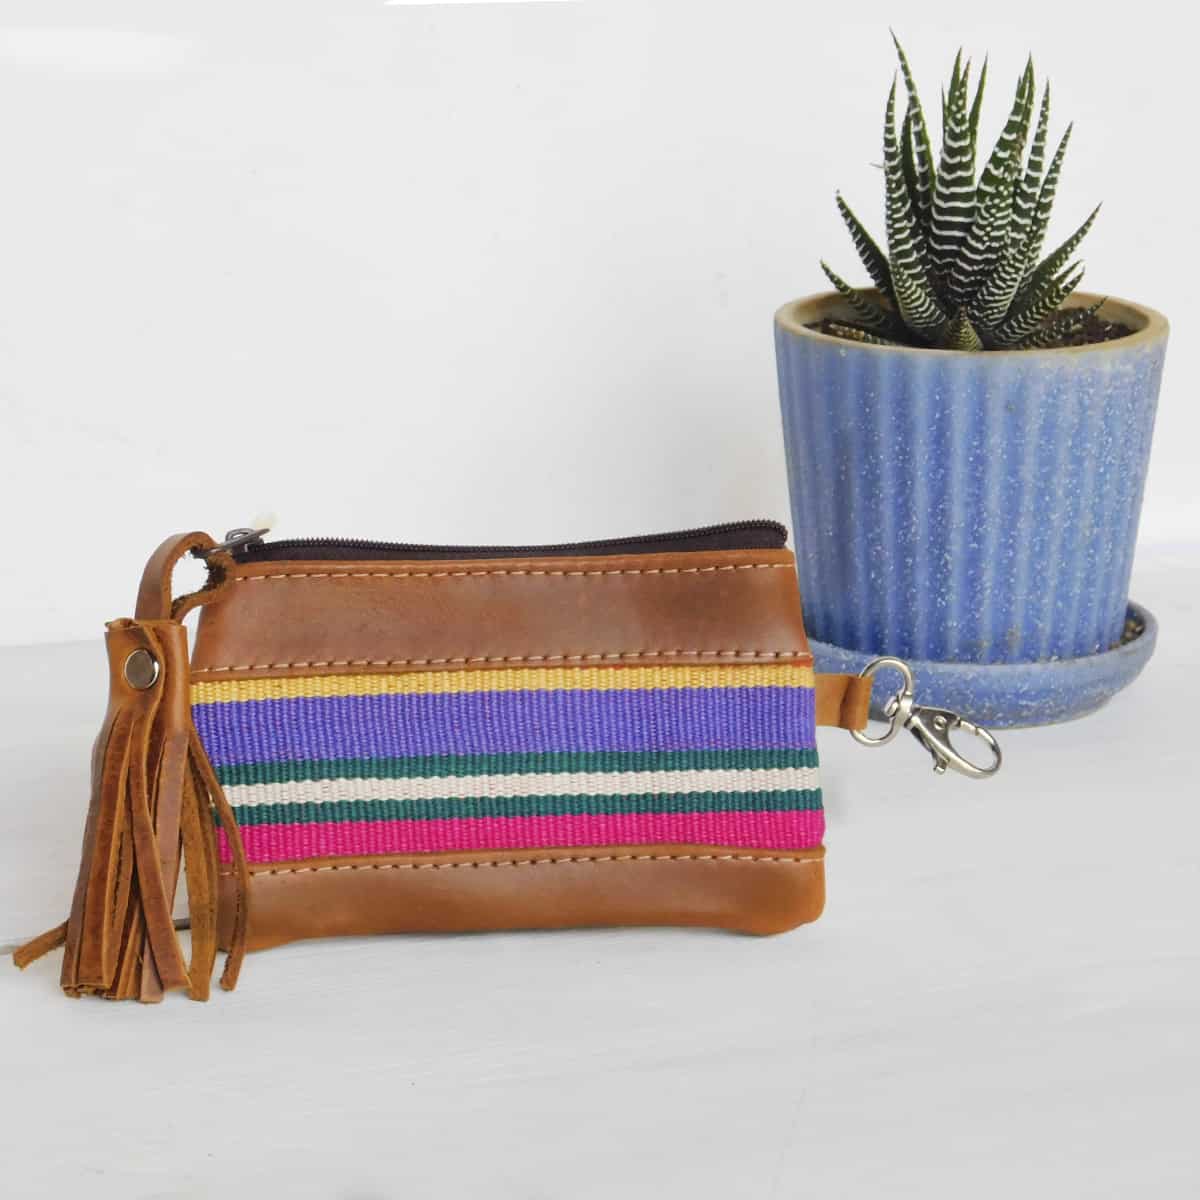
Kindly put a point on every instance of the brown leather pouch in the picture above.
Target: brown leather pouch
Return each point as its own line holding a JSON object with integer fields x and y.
{"x": 389, "y": 737}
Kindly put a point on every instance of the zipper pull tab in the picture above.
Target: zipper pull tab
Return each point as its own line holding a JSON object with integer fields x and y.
{"x": 235, "y": 539}
{"x": 930, "y": 726}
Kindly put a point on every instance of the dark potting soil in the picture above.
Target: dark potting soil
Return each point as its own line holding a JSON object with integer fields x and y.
{"x": 1095, "y": 329}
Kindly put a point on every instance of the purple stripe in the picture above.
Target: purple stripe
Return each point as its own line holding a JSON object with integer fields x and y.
{"x": 395, "y": 726}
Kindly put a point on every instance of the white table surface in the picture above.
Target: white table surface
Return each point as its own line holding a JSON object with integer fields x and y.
{"x": 1001, "y": 1000}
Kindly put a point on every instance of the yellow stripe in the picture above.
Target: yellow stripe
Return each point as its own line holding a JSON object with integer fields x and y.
{"x": 424, "y": 683}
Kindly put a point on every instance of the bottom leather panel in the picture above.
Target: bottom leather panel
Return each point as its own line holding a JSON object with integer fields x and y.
{"x": 735, "y": 889}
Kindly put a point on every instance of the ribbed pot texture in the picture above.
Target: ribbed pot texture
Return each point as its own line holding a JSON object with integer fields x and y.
{"x": 956, "y": 507}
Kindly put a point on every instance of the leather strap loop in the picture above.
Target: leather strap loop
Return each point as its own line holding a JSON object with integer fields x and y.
{"x": 843, "y": 701}
{"x": 154, "y": 599}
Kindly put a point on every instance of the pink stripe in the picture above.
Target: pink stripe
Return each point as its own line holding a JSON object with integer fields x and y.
{"x": 758, "y": 831}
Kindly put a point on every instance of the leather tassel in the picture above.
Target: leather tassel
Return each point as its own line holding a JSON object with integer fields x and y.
{"x": 153, "y": 802}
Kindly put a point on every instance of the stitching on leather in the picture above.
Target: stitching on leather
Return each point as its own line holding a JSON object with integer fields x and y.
{"x": 618, "y": 656}
{"x": 529, "y": 862}
{"x": 785, "y": 566}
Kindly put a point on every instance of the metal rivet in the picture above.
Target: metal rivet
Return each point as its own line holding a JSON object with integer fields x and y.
{"x": 141, "y": 670}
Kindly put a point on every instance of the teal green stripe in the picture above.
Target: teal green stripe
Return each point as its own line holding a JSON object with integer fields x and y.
{"x": 463, "y": 765}
{"x": 526, "y": 806}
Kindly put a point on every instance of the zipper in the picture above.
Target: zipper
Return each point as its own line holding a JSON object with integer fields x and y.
{"x": 247, "y": 545}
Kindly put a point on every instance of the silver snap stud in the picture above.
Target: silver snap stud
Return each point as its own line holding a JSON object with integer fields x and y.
{"x": 141, "y": 670}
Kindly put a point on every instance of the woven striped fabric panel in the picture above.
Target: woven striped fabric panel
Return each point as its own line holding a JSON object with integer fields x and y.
{"x": 443, "y": 761}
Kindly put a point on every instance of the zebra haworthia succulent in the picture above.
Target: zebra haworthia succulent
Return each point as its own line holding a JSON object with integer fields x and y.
{"x": 963, "y": 269}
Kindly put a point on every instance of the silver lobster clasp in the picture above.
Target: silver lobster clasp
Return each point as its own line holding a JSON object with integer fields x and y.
{"x": 931, "y": 727}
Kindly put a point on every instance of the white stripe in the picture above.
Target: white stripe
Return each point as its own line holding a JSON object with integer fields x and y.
{"x": 622, "y": 783}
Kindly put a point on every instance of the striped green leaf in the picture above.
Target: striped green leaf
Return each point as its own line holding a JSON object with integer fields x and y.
{"x": 988, "y": 235}
{"x": 977, "y": 105}
{"x": 868, "y": 250}
{"x": 1020, "y": 325}
{"x": 915, "y": 297}
{"x": 918, "y": 305}
{"x": 922, "y": 151}
{"x": 853, "y": 334}
{"x": 1025, "y": 195}
{"x": 1056, "y": 331}
{"x": 867, "y": 313}
{"x": 1053, "y": 263}
{"x": 1045, "y": 204}
{"x": 954, "y": 188}
{"x": 993, "y": 300}
{"x": 908, "y": 160}
{"x": 960, "y": 334}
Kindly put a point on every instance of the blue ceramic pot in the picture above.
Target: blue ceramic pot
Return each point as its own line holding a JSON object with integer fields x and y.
{"x": 975, "y": 509}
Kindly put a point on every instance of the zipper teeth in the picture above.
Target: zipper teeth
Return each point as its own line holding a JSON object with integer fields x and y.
{"x": 643, "y": 539}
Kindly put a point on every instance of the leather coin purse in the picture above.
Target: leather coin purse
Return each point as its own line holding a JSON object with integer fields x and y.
{"x": 383, "y": 737}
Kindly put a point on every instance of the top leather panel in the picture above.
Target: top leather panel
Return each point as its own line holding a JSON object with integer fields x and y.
{"x": 312, "y": 618}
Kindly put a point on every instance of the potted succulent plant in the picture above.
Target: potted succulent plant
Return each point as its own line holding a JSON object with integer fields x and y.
{"x": 967, "y": 439}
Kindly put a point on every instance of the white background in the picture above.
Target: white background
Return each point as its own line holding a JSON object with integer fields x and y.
{"x": 508, "y": 273}
{"x": 504, "y": 273}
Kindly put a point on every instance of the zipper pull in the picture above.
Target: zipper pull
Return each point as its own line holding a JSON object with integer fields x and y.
{"x": 247, "y": 535}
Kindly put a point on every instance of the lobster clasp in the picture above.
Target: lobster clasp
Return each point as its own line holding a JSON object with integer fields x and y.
{"x": 931, "y": 727}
